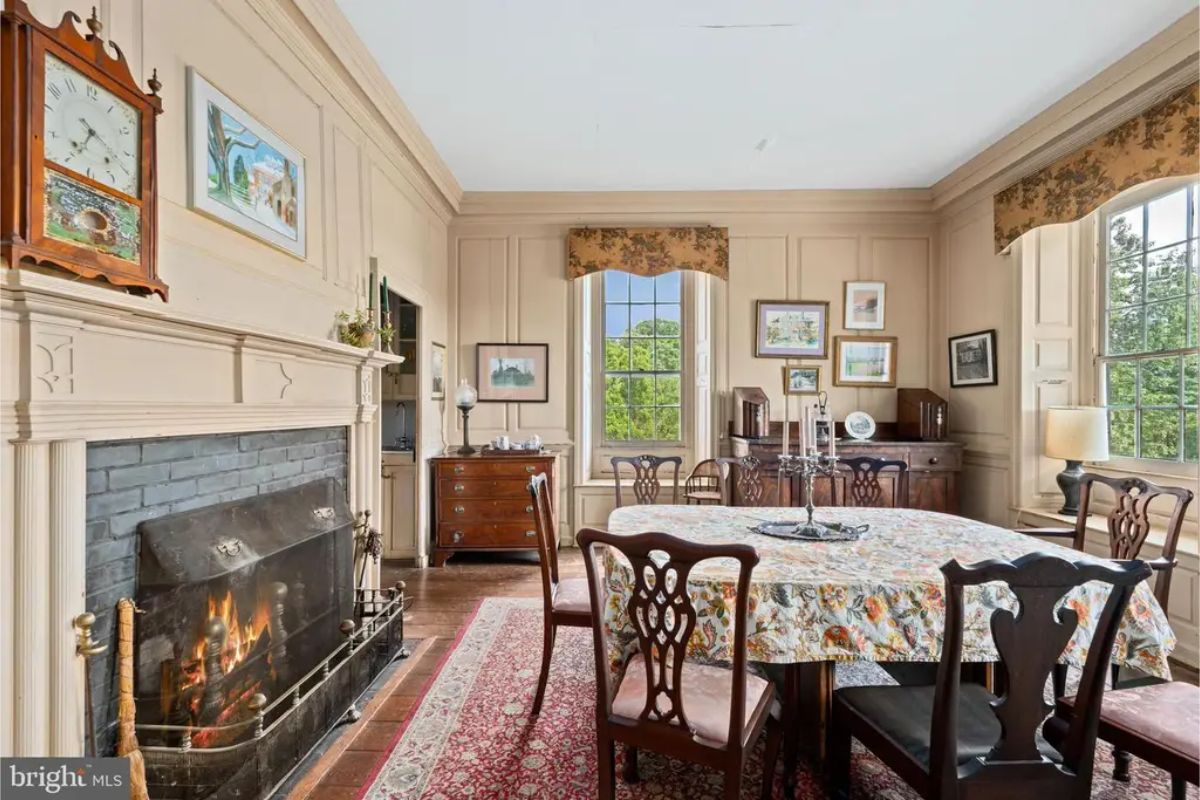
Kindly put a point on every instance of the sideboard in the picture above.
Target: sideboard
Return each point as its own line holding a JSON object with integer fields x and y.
{"x": 933, "y": 469}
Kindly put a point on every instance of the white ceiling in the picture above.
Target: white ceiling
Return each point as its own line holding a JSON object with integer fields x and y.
{"x": 525, "y": 95}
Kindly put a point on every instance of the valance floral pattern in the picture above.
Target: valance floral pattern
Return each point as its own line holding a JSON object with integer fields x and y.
{"x": 1161, "y": 142}
{"x": 648, "y": 251}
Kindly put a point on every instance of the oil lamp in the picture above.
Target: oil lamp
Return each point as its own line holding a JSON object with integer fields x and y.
{"x": 465, "y": 398}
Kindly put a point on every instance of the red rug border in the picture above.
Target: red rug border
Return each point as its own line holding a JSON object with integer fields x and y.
{"x": 412, "y": 712}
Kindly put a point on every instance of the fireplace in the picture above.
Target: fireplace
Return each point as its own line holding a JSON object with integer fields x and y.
{"x": 239, "y": 599}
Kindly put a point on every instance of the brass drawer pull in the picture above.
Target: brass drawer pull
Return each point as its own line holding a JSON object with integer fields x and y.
{"x": 934, "y": 460}
{"x": 530, "y": 534}
{"x": 528, "y": 509}
{"x": 457, "y": 536}
{"x": 458, "y": 469}
{"x": 530, "y": 468}
{"x": 458, "y": 487}
{"x": 459, "y": 510}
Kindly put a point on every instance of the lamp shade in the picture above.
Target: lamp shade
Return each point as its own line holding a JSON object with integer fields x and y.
{"x": 465, "y": 396}
{"x": 1077, "y": 433}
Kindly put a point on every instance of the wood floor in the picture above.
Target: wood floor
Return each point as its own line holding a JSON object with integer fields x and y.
{"x": 442, "y": 600}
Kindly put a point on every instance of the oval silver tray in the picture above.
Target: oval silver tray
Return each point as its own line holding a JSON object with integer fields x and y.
{"x": 796, "y": 531}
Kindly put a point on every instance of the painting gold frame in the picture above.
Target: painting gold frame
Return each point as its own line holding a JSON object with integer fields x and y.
{"x": 787, "y": 390}
{"x": 839, "y": 343}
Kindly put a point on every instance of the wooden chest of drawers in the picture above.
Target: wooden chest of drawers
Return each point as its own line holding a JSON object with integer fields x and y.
{"x": 481, "y": 502}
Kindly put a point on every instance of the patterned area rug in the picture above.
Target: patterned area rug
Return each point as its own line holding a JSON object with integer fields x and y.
{"x": 471, "y": 736}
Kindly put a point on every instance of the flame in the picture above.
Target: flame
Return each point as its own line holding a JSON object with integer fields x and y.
{"x": 243, "y": 632}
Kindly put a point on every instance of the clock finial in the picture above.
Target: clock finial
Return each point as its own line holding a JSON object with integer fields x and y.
{"x": 154, "y": 83}
{"x": 94, "y": 25}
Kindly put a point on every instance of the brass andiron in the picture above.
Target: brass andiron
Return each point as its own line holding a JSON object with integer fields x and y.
{"x": 87, "y": 648}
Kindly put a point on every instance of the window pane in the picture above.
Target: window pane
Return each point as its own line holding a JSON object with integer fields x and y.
{"x": 616, "y": 389}
{"x": 1121, "y": 437}
{"x": 1160, "y": 382}
{"x": 668, "y": 390}
{"x": 616, "y": 423}
{"x": 1160, "y": 434}
{"x": 1166, "y": 325}
{"x": 641, "y": 289}
{"x": 667, "y": 287}
{"x": 1125, "y": 331}
{"x": 1121, "y": 383}
{"x": 1125, "y": 234}
{"x": 616, "y": 285}
{"x": 1125, "y": 282}
{"x": 616, "y": 355}
{"x": 1166, "y": 273}
{"x": 1193, "y": 321}
{"x": 642, "y": 358}
{"x": 667, "y": 424}
{"x": 1191, "y": 377}
{"x": 642, "y": 422}
{"x": 1167, "y": 218}
{"x": 641, "y": 390}
{"x": 666, "y": 355}
{"x": 1190, "y": 443}
{"x": 641, "y": 319}
{"x": 616, "y": 319}
{"x": 667, "y": 317}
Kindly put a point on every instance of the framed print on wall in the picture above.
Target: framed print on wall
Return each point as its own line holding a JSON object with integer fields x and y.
{"x": 512, "y": 373}
{"x": 865, "y": 301}
{"x": 973, "y": 359}
{"x": 865, "y": 361}
{"x": 240, "y": 172}
{"x": 801, "y": 380}
{"x": 437, "y": 371}
{"x": 792, "y": 329}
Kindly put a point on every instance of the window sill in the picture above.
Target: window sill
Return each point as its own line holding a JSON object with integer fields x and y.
{"x": 1189, "y": 542}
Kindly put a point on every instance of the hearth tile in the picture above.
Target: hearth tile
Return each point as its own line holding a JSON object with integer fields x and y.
{"x": 395, "y": 708}
{"x": 375, "y": 736}
{"x": 352, "y": 768}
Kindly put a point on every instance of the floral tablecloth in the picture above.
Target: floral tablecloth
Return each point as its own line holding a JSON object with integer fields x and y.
{"x": 877, "y": 599}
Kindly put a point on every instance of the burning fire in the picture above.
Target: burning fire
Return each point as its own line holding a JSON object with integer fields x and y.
{"x": 243, "y": 632}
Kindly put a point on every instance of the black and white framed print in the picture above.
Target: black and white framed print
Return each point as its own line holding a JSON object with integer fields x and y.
{"x": 973, "y": 359}
{"x": 512, "y": 373}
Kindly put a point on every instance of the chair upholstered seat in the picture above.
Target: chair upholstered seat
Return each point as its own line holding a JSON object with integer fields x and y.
{"x": 707, "y": 697}
{"x": 1164, "y": 714}
{"x": 572, "y": 596}
{"x": 703, "y": 494}
{"x": 904, "y": 713}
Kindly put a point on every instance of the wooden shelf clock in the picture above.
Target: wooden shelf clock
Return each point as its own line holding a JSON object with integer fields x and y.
{"x": 77, "y": 147}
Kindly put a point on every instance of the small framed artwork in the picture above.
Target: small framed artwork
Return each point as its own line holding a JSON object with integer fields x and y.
{"x": 241, "y": 172}
{"x": 865, "y": 361}
{"x": 865, "y": 301}
{"x": 512, "y": 373}
{"x": 973, "y": 359}
{"x": 437, "y": 371}
{"x": 787, "y": 329}
{"x": 801, "y": 380}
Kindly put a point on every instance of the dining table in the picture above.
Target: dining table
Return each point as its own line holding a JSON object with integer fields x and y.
{"x": 879, "y": 598}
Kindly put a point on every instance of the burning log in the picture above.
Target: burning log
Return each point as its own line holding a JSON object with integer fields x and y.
{"x": 215, "y": 634}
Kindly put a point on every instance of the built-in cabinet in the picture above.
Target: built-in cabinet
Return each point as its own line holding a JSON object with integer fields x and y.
{"x": 398, "y": 503}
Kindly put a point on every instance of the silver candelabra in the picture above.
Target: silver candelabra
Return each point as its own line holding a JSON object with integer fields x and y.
{"x": 808, "y": 467}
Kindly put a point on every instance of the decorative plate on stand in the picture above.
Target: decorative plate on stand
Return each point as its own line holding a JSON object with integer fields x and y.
{"x": 860, "y": 425}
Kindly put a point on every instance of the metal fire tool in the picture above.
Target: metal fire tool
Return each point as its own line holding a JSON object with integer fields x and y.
{"x": 87, "y": 648}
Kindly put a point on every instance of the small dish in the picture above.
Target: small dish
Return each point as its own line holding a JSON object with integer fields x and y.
{"x": 860, "y": 425}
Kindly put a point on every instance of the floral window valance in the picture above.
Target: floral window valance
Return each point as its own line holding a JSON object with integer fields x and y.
{"x": 1161, "y": 142}
{"x": 648, "y": 251}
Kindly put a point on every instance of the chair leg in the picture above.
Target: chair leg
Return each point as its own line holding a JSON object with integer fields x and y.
{"x": 547, "y": 653}
{"x": 733, "y": 783}
{"x": 770, "y": 757}
{"x": 630, "y": 774}
{"x": 838, "y": 754}
{"x": 1121, "y": 763}
{"x": 1178, "y": 787}
{"x": 1058, "y": 678}
{"x": 608, "y": 769}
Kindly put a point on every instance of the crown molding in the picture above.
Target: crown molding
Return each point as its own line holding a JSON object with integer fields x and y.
{"x": 1165, "y": 63}
{"x": 322, "y": 38}
{"x": 629, "y": 206}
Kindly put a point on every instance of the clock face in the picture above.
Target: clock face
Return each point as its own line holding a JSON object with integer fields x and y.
{"x": 89, "y": 130}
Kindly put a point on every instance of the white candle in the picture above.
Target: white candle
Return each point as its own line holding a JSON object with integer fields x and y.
{"x": 786, "y": 404}
{"x": 832, "y": 436}
{"x": 812, "y": 421}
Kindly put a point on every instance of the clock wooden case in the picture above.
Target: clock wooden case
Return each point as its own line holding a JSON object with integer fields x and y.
{"x": 77, "y": 147}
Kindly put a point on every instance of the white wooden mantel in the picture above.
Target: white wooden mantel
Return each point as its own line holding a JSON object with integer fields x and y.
{"x": 81, "y": 363}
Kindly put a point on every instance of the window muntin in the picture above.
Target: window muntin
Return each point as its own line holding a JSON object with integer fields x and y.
{"x": 1149, "y": 355}
{"x": 643, "y": 358}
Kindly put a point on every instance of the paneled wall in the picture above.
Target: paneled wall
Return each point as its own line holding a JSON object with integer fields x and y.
{"x": 508, "y": 284}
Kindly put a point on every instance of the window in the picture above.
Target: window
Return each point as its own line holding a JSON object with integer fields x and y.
{"x": 643, "y": 363}
{"x": 1149, "y": 356}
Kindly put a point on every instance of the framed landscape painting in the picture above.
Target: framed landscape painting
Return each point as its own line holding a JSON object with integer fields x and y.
{"x": 801, "y": 380}
{"x": 787, "y": 329}
{"x": 865, "y": 361}
{"x": 437, "y": 371}
{"x": 973, "y": 359}
{"x": 512, "y": 373}
{"x": 865, "y": 301}
{"x": 241, "y": 173}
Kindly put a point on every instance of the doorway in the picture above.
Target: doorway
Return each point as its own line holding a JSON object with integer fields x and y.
{"x": 400, "y": 426}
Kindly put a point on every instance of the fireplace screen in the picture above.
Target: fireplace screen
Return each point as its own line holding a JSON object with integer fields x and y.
{"x": 238, "y": 599}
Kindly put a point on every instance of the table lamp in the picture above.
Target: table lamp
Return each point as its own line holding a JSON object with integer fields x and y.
{"x": 1075, "y": 434}
{"x": 465, "y": 398}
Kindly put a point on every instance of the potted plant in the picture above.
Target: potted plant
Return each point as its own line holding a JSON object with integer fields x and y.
{"x": 360, "y": 330}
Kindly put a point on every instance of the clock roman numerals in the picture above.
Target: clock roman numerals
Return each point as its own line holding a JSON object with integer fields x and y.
{"x": 92, "y": 93}
{"x": 54, "y": 90}
{"x": 70, "y": 85}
